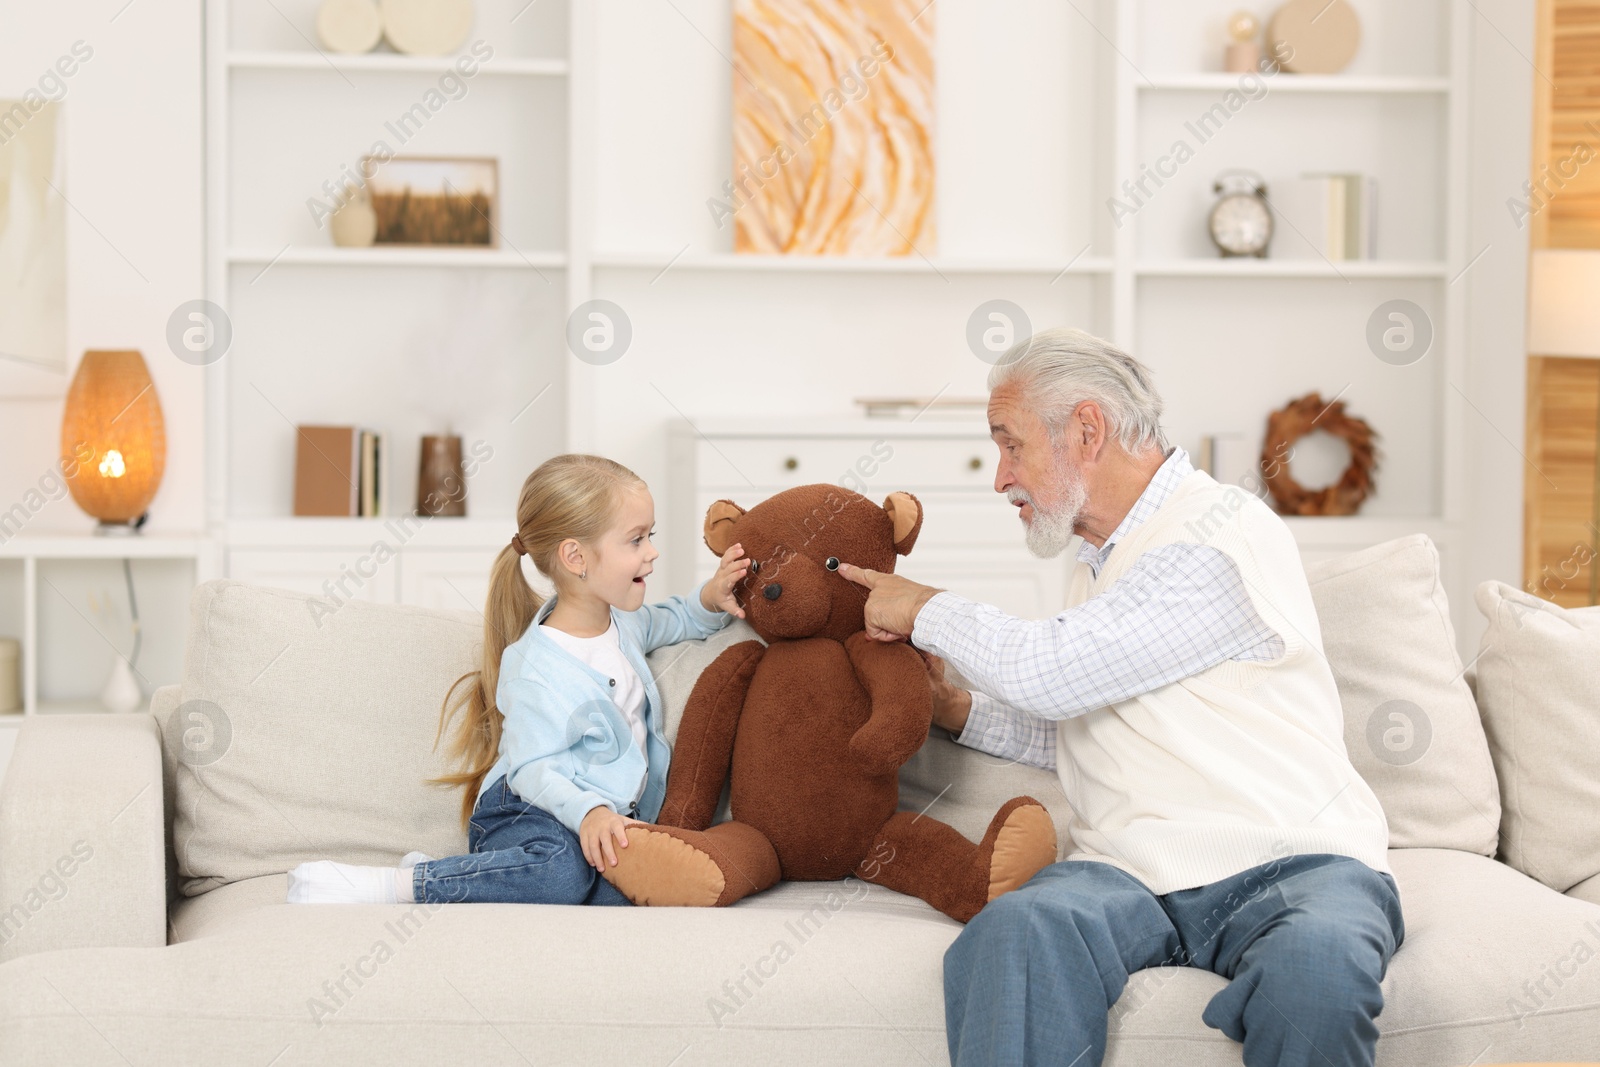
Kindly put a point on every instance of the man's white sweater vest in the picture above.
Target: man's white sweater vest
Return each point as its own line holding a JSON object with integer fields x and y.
{"x": 1234, "y": 767}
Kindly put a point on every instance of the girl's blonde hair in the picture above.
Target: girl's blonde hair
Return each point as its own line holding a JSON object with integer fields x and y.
{"x": 569, "y": 496}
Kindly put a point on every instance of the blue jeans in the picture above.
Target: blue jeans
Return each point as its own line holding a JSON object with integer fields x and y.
{"x": 1303, "y": 941}
{"x": 517, "y": 854}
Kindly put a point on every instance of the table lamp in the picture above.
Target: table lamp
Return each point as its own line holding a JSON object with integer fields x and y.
{"x": 1564, "y": 302}
{"x": 113, "y": 439}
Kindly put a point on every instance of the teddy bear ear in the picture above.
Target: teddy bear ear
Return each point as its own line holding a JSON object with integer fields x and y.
{"x": 720, "y": 518}
{"x": 905, "y": 512}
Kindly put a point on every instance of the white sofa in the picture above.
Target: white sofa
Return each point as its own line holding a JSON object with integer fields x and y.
{"x": 142, "y": 858}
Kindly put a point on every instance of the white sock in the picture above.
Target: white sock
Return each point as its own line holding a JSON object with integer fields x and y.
{"x": 404, "y": 877}
{"x": 327, "y": 882}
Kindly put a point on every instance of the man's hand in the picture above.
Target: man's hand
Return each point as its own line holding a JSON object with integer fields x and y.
{"x": 892, "y": 604}
{"x": 951, "y": 705}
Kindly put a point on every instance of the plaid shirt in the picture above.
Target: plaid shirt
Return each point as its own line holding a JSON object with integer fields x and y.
{"x": 1180, "y": 609}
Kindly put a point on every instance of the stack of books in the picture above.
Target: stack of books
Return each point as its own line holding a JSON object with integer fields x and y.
{"x": 338, "y": 470}
{"x": 1335, "y": 213}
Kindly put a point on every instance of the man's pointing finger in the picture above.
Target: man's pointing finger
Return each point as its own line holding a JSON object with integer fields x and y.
{"x": 859, "y": 575}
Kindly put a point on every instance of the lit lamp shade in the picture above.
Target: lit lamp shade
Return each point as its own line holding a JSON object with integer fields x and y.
{"x": 113, "y": 439}
{"x": 1564, "y": 302}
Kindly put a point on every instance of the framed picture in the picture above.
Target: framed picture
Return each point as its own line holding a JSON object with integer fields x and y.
{"x": 435, "y": 200}
{"x": 33, "y": 249}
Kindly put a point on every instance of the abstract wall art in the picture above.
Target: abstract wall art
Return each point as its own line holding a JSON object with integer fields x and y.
{"x": 833, "y": 128}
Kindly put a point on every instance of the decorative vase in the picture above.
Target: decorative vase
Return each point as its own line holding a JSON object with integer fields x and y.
{"x": 121, "y": 693}
{"x": 355, "y": 225}
{"x": 441, "y": 484}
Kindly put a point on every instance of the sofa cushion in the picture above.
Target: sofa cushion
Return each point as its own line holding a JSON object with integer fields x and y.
{"x": 1410, "y": 724}
{"x": 1495, "y": 968}
{"x": 305, "y": 735}
{"x": 1538, "y": 682}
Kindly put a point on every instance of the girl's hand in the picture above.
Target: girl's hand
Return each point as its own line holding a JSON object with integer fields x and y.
{"x": 599, "y": 829}
{"x": 717, "y": 594}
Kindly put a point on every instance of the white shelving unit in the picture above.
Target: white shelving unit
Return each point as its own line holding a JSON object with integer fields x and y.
{"x": 862, "y": 265}
{"x": 1412, "y": 100}
{"x": 1302, "y": 83}
{"x": 29, "y": 552}
{"x": 324, "y": 334}
{"x": 636, "y": 131}
{"x": 396, "y": 257}
{"x": 382, "y": 61}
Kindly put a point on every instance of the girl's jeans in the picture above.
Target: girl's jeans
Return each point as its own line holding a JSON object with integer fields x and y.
{"x": 518, "y": 854}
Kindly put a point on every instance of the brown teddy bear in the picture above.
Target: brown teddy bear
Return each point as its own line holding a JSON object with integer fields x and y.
{"x": 810, "y": 731}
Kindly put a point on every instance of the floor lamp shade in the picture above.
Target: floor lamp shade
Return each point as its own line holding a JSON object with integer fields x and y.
{"x": 113, "y": 438}
{"x": 1564, "y": 302}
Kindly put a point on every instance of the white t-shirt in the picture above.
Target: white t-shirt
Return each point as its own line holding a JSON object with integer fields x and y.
{"x": 604, "y": 654}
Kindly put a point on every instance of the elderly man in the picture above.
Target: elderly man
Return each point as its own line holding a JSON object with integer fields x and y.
{"x": 1185, "y": 701}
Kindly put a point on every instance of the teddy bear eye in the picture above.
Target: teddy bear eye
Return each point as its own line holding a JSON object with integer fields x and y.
{"x": 832, "y": 563}
{"x": 755, "y": 565}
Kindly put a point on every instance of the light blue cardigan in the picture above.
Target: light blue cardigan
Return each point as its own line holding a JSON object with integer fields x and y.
{"x": 565, "y": 746}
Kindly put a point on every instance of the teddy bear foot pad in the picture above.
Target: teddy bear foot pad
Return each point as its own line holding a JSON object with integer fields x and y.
{"x": 1024, "y": 845}
{"x": 669, "y": 867}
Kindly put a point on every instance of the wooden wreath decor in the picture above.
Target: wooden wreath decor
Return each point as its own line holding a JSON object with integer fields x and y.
{"x": 1294, "y": 421}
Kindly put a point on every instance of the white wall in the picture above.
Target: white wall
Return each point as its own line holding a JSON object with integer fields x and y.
{"x": 132, "y": 118}
{"x": 1496, "y": 385}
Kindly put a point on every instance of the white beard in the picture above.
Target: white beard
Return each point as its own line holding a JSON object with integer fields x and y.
{"x": 1052, "y": 528}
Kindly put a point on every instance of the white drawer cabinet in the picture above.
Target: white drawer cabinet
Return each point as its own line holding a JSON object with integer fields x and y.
{"x": 436, "y": 563}
{"x": 971, "y": 540}
{"x": 739, "y": 462}
{"x": 350, "y": 574}
{"x": 456, "y": 579}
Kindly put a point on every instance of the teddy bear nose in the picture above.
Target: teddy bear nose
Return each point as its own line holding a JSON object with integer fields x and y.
{"x": 772, "y": 591}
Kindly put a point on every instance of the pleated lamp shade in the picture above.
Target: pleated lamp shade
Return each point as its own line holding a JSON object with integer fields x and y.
{"x": 113, "y": 439}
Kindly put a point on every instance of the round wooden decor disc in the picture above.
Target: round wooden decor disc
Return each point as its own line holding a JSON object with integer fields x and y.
{"x": 1318, "y": 36}
{"x": 427, "y": 27}
{"x": 350, "y": 26}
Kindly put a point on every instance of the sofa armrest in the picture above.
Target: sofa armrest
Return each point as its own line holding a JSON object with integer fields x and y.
{"x": 82, "y": 836}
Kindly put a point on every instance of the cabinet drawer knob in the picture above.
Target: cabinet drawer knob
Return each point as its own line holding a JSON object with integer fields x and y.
{"x": 975, "y": 463}
{"x": 790, "y": 463}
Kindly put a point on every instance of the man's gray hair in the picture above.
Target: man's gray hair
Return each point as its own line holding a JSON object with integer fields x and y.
{"x": 1056, "y": 370}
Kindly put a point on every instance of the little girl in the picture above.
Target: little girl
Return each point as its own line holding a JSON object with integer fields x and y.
{"x": 569, "y": 751}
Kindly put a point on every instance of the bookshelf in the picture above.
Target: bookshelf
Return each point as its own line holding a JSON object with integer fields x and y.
{"x": 611, "y": 123}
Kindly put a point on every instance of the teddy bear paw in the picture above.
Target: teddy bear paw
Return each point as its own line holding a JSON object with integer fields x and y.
{"x": 659, "y": 868}
{"x": 1023, "y": 840}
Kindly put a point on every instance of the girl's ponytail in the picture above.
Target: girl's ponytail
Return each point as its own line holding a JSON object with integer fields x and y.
{"x": 569, "y": 496}
{"x": 476, "y": 744}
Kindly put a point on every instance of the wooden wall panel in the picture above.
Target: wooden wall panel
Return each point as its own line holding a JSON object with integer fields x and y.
{"x": 1561, "y": 539}
{"x": 1566, "y": 173}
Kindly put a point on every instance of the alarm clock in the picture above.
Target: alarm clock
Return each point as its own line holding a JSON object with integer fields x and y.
{"x": 1241, "y": 220}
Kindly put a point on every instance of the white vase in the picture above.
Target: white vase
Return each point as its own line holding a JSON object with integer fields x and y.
{"x": 121, "y": 693}
{"x": 355, "y": 225}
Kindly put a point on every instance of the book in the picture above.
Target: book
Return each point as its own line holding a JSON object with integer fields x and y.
{"x": 338, "y": 471}
{"x": 368, "y": 480}
{"x": 327, "y": 466}
{"x": 1336, "y": 214}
